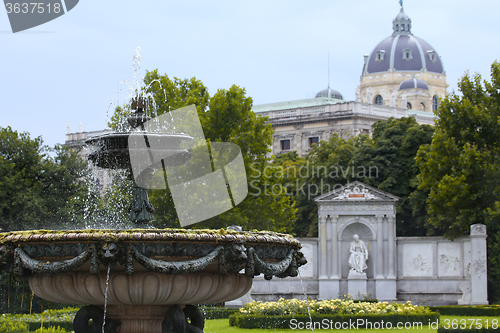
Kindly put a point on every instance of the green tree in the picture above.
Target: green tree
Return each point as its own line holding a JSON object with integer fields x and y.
{"x": 460, "y": 169}
{"x": 35, "y": 187}
{"x": 385, "y": 161}
{"x": 389, "y": 161}
{"x": 226, "y": 116}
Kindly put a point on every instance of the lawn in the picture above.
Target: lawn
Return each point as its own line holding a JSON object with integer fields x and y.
{"x": 222, "y": 325}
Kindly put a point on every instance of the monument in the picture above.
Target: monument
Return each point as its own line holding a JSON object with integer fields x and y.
{"x": 357, "y": 222}
{"x": 357, "y": 267}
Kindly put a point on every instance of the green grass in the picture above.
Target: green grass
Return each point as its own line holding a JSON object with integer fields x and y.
{"x": 222, "y": 325}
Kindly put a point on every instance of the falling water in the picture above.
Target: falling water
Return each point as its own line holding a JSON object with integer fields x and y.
{"x": 106, "y": 298}
{"x": 307, "y": 301}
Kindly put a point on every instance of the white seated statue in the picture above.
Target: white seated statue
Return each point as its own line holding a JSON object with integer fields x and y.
{"x": 358, "y": 257}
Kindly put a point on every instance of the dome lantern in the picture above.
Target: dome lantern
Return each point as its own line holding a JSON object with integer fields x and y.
{"x": 401, "y": 25}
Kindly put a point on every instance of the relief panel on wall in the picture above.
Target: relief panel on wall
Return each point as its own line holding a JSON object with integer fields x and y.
{"x": 417, "y": 259}
{"x": 467, "y": 259}
{"x": 449, "y": 259}
{"x": 307, "y": 270}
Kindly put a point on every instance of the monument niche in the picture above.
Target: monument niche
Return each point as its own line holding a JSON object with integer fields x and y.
{"x": 357, "y": 243}
{"x": 357, "y": 266}
{"x": 359, "y": 254}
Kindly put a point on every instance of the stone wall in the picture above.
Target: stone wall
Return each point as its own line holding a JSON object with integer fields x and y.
{"x": 430, "y": 270}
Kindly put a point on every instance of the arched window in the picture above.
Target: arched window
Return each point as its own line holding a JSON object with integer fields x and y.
{"x": 379, "y": 100}
{"x": 422, "y": 106}
{"x": 408, "y": 106}
{"x": 435, "y": 103}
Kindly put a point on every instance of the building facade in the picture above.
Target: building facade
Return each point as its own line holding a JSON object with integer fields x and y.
{"x": 402, "y": 76}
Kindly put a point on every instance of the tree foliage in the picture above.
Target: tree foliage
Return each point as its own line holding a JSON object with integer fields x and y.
{"x": 35, "y": 187}
{"x": 386, "y": 161}
{"x": 226, "y": 116}
{"x": 460, "y": 169}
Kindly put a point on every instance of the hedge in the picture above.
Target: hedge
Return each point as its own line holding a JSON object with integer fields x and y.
{"x": 269, "y": 322}
{"x": 218, "y": 312}
{"x": 441, "y": 329}
{"x": 472, "y": 311}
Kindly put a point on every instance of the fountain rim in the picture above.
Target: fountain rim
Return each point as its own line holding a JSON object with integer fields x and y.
{"x": 175, "y": 235}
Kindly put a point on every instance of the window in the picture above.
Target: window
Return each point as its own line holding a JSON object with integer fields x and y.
{"x": 432, "y": 55}
{"x": 397, "y": 27}
{"x": 313, "y": 140}
{"x": 380, "y": 55}
{"x": 422, "y": 106}
{"x": 407, "y": 54}
{"x": 435, "y": 103}
{"x": 285, "y": 144}
{"x": 408, "y": 106}
{"x": 379, "y": 100}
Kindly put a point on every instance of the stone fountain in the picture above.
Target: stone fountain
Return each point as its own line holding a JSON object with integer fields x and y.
{"x": 144, "y": 280}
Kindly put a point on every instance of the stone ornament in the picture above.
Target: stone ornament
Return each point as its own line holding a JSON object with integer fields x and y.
{"x": 465, "y": 288}
{"x": 369, "y": 95}
{"x": 356, "y": 193}
{"x": 359, "y": 255}
{"x": 478, "y": 229}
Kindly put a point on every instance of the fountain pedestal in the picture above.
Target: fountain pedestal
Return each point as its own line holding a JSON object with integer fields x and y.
{"x": 140, "y": 301}
{"x": 138, "y": 318}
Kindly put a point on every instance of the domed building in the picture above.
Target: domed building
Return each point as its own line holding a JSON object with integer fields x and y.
{"x": 398, "y": 61}
{"x": 402, "y": 76}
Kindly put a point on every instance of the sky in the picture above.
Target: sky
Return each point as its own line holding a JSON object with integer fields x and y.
{"x": 70, "y": 69}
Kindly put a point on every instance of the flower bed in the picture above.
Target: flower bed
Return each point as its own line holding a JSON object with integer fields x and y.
{"x": 330, "y": 314}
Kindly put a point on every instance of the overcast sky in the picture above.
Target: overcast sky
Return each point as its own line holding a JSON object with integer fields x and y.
{"x": 69, "y": 69}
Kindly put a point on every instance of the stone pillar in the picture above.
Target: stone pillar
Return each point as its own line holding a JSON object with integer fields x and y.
{"x": 478, "y": 274}
{"x": 322, "y": 247}
{"x": 386, "y": 286}
{"x": 391, "y": 219}
{"x": 335, "y": 248}
{"x": 380, "y": 248}
{"x": 328, "y": 288}
{"x": 328, "y": 246}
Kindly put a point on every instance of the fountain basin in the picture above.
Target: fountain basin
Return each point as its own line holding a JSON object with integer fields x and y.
{"x": 150, "y": 271}
{"x": 112, "y": 150}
